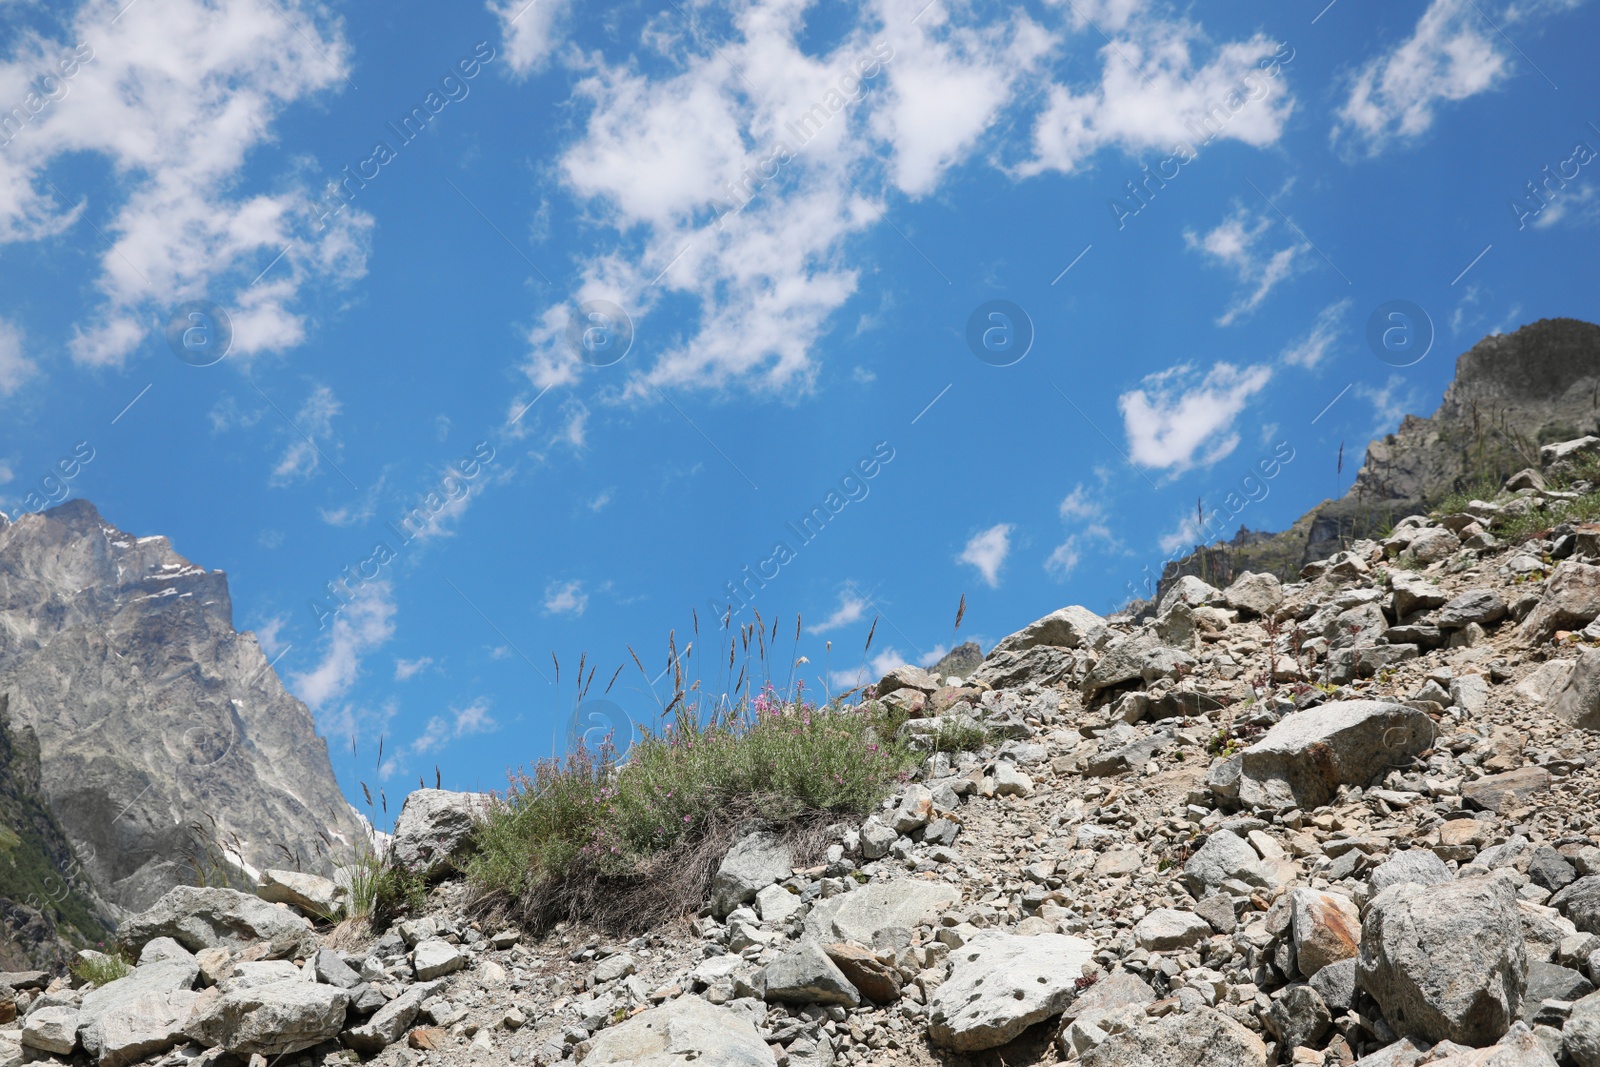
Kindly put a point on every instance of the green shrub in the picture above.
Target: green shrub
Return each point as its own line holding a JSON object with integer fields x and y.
{"x": 631, "y": 841}
{"x": 103, "y": 968}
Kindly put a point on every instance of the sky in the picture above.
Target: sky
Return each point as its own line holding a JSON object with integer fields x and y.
{"x": 470, "y": 340}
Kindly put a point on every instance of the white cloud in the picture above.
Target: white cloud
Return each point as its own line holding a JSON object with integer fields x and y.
{"x": 529, "y": 30}
{"x": 1153, "y": 96}
{"x": 269, "y": 636}
{"x": 15, "y": 366}
{"x": 1174, "y": 415}
{"x": 987, "y": 551}
{"x": 1078, "y": 504}
{"x": 1582, "y": 206}
{"x": 1390, "y": 404}
{"x": 175, "y": 98}
{"x": 601, "y": 499}
{"x": 874, "y": 669}
{"x": 1234, "y": 244}
{"x": 1065, "y": 558}
{"x": 461, "y": 722}
{"x": 312, "y": 431}
{"x": 565, "y": 598}
{"x": 852, "y": 608}
{"x": 1182, "y": 537}
{"x": 7, "y": 475}
{"x": 1310, "y": 349}
{"x": 406, "y": 669}
{"x": 364, "y": 625}
{"x": 1453, "y": 54}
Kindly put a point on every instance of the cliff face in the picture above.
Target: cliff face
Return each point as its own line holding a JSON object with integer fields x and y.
{"x": 1512, "y": 393}
{"x": 168, "y": 747}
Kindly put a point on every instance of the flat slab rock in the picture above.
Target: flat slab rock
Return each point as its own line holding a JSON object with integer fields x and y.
{"x": 1303, "y": 760}
{"x": 200, "y": 918}
{"x": 862, "y": 914}
{"x": 686, "y": 1030}
{"x": 1002, "y": 984}
{"x": 1202, "y": 1038}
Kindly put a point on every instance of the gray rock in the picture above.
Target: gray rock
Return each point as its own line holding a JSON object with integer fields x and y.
{"x": 1417, "y": 865}
{"x": 310, "y": 893}
{"x": 754, "y": 862}
{"x": 1304, "y": 758}
{"x": 1413, "y": 593}
{"x": 1069, "y": 627}
{"x": 865, "y": 914}
{"x": 331, "y": 969}
{"x": 682, "y": 1031}
{"x": 906, "y": 677}
{"x": 163, "y": 950}
{"x": 1435, "y": 544}
{"x": 1191, "y": 591}
{"x": 775, "y": 905}
{"x": 1202, "y": 1038}
{"x": 1580, "y": 902}
{"x": 1225, "y": 855}
{"x": 436, "y": 958}
{"x": 805, "y": 975}
{"x": 1254, "y": 594}
{"x": 1551, "y": 981}
{"x": 1570, "y": 601}
{"x": 1327, "y": 928}
{"x": 911, "y": 814}
{"x": 433, "y": 834}
{"x": 140, "y": 1014}
{"x": 271, "y": 1019}
{"x": 1040, "y": 665}
{"x": 53, "y": 1029}
{"x": 1122, "y": 661}
{"x": 1578, "y": 702}
{"x": 1550, "y": 869}
{"x": 391, "y": 1021}
{"x": 1336, "y": 984}
{"x": 1001, "y": 984}
{"x": 1166, "y": 929}
{"x": 1482, "y": 606}
{"x": 1298, "y": 1016}
{"x": 199, "y": 918}
{"x": 877, "y": 839}
{"x": 1582, "y": 1032}
{"x": 1446, "y": 962}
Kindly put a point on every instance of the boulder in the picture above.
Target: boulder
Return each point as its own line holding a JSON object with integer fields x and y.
{"x": 1502, "y": 792}
{"x": 1303, "y": 759}
{"x": 312, "y": 894}
{"x": 805, "y": 975}
{"x": 1041, "y": 665}
{"x": 1482, "y": 606}
{"x": 1578, "y": 701}
{"x": 139, "y": 1014}
{"x": 1519, "y": 1048}
{"x": 685, "y": 1030}
{"x": 1413, "y": 865}
{"x": 1001, "y": 984}
{"x": 1298, "y": 1015}
{"x": 433, "y": 834}
{"x": 1327, "y": 929}
{"x": 1201, "y": 1038}
{"x": 52, "y": 1029}
{"x": 390, "y": 1022}
{"x": 1191, "y": 591}
{"x": 756, "y": 861}
{"x": 863, "y": 915}
{"x": 1413, "y": 593}
{"x": 1432, "y": 545}
{"x": 906, "y": 676}
{"x": 435, "y": 958}
{"x": 879, "y": 982}
{"x": 1224, "y": 855}
{"x": 1580, "y": 903}
{"x": 271, "y": 1019}
{"x": 1254, "y": 594}
{"x": 1121, "y": 662}
{"x": 1446, "y": 962}
{"x": 200, "y": 918}
{"x": 1582, "y": 1032}
{"x": 1570, "y": 601}
{"x": 1069, "y": 627}
{"x": 1166, "y": 929}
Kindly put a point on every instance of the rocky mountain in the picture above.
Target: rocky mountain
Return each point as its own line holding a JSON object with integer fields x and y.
{"x": 1512, "y": 393}
{"x": 1351, "y": 820}
{"x": 168, "y": 750}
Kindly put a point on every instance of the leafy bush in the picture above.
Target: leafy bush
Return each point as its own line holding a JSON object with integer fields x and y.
{"x": 632, "y": 841}
{"x": 102, "y": 968}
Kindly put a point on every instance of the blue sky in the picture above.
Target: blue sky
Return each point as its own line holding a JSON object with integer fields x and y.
{"x": 796, "y": 217}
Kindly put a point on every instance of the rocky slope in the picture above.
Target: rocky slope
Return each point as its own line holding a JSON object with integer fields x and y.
{"x": 1512, "y": 393}
{"x": 167, "y": 745}
{"x": 1352, "y": 819}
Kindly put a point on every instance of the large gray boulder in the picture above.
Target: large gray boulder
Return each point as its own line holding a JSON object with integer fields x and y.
{"x": 1303, "y": 760}
{"x": 433, "y": 834}
{"x": 1254, "y": 594}
{"x": 805, "y": 975}
{"x": 1582, "y": 1032}
{"x": 1580, "y": 902}
{"x": 1002, "y": 984}
{"x": 1190, "y": 591}
{"x": 1122, "y": 661}
{"x": 271, "y": 1019}
{"x": 1578, "y": 702}
{"x": 1570, "y": 601}
{"x": 682, "y": 1031}
{"x": 139, "y": 1014}
{"x": 1417, "y": 865}
{"x": 1202, "y": 1038}
{"x": 865, "y": 914}
{"x": 754, "y": 862}
{"x": 51, "y": 1029}
{"x": 1224, "y": 855}
{"x": 1446, "y": 962}
{"x": 1070, "y": 627}
{"x": 199, "y": 918}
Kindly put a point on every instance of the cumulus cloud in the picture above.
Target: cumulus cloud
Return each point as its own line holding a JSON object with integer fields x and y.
{"x": 852, "y": 608}
{"x": 531, "y": 31}
{"x": 406, "y": 669}
{"x": 987, "y": 551}
{"x": 173, "y": 98}
{"x": 1178, "y": 419}
{"x": 1452, "y": 54}
{"x": 1237, "y": 244}
{"x": 364, "y": 625}
{"x": 15, "y": 366}
{"x": 460, "y": 722}
{"x": 565, "y": 598}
